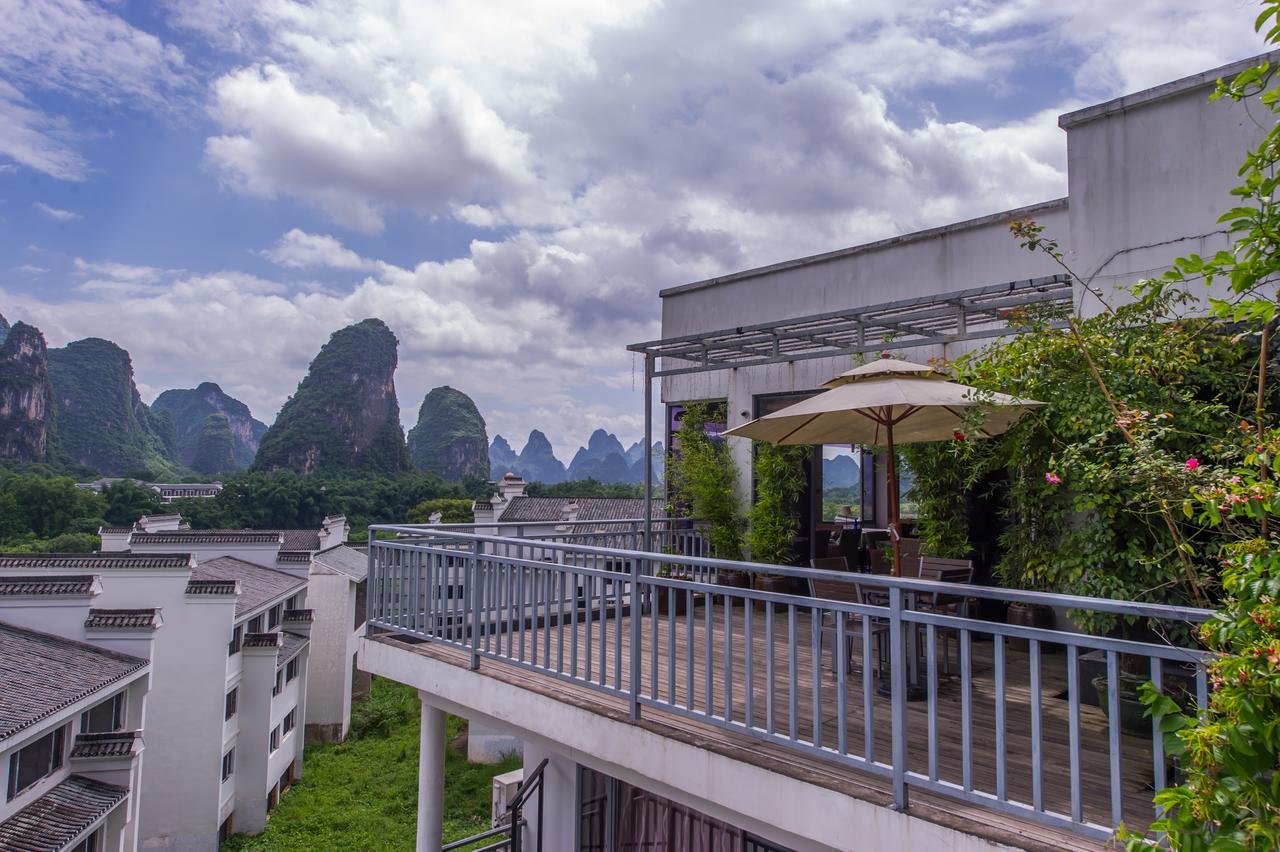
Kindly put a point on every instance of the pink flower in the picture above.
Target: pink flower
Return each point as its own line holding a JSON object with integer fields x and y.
{"x": 1052, "y": 478}
{"x": 1192, "y": 463}
{"x": 959, "y": 436}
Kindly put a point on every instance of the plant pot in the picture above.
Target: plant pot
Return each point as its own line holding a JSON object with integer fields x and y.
{"x": 1132, "y": 711}
{"x": 776, "y": 585}
{"x": 1028, "y": 615}
{"x": 732, "y": 579}
{"x": 671, "y": 601}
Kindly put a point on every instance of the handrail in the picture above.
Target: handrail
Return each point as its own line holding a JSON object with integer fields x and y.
{"x": 1053, "y": 599}
{"x": 558, "y": 609}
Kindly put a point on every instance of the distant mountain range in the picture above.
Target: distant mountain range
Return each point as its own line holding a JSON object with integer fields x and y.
{"x": 603, "y": 459}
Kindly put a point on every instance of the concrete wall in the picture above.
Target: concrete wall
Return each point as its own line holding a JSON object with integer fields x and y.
{"x": 1149, "y": 175}
{"x": 332, "y": 597}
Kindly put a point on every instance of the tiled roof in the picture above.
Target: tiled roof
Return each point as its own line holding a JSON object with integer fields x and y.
{"x": 187, "y": 537}
{"x": 344, "y": 560}
{"x": 44, "y": 673}
{"x": 262, "y": 640}
{"x": 114, "y": 530}
{"x": 549, "y": 509}
{"x": 171, "y": 516}
{"x": 77, "y": 585}
{"x": 211, "y": 587}
{"x": 60, "y": 815}
{"x": 83, "y": 563}
{"x": 113, "y": 744}
{"x": 292, "y": 644}
{"x": 301, "y": 616}
{"x": 258, "y": 585}
{"x": 294, "y": 556}
{"x": 308, "y": 540}
{"x": 123, "y": 619}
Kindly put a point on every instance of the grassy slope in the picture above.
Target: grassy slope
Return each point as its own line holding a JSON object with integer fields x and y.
{"x": 362, "y": 794}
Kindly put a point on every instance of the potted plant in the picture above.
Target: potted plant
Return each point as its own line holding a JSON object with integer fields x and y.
{"x": 772, "y": 521}
{"x": 671, "y": 601}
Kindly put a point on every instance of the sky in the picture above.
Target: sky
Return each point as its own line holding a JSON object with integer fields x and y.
{"x": 218, "y": 186}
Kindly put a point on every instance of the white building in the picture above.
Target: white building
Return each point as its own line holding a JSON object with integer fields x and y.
{"x": 659, "y": 764}
{"x": 228, "y": 685}
{"x": 73, "y": 696}
{"x": 335, "y": 574}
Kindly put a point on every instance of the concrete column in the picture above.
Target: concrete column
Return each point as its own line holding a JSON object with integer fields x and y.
{"x": 431, "y": 778}
{"x": 560, "y": 799}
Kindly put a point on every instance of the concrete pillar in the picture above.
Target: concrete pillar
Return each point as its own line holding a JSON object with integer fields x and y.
{"x": 431, "y": 778}
{"x": 489, "y": 745}
{"x": 560, "y": 799}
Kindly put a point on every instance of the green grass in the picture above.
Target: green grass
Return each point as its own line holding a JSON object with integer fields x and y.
{"x": 362, "y": 794}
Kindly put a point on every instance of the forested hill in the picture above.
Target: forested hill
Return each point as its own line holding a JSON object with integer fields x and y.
{"x": 344, "y": 415}
{"x": 449, "y": 438}
{"x": 101, "y": 420}
{"x": 200, "y": 440}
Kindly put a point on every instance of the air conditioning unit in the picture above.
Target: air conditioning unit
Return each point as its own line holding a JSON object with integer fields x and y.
{"x": 505, "y": 788}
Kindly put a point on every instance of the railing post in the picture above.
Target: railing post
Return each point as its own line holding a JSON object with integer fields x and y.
{"x": 477, "y": 550}
{"x": 898, "y": 684}
{"x": 370, "y": 586}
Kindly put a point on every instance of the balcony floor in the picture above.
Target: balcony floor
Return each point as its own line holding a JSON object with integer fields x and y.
{"x": 545, "y": 643}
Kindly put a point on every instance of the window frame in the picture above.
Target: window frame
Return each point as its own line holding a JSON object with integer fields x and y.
{"x": 255, "y": 623}
{"x": 228, "y": 764}
{"x": 291, "y": 670}
{"x": 57, "y": 739}
{"x": 237, "y": 640}
{"x": 118, "y": 716}
{"x": 231, "y": 704}
{"x": 278, "y": 687}
{"x": 289, "y": 722}
{"x": 274, "y": 744}
{"x": 275, "y": 616}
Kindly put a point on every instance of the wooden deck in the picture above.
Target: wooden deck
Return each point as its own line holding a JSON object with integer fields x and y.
{"x": 683, "y": 639}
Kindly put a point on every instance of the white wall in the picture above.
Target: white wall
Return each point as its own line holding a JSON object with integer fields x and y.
{"x": 332, "y": 598}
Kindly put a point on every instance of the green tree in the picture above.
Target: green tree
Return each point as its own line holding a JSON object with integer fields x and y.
{"x": 703, "y": 477}
{"x": 127, "y": 501}
{"x": 452, "y": 509}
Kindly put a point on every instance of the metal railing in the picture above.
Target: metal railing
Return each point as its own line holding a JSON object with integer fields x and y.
{"x": 1010, "y": 727}
{"x": 510, "y": 835}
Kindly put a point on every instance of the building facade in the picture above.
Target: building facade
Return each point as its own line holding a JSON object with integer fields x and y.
{"x": 633, "y": 755}
{"x": 73, "y": 700}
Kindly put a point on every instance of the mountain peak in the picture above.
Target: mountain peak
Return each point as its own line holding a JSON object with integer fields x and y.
{"x": 449, "y": 438}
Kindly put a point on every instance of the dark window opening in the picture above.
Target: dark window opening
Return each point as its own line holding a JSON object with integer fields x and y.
{"x": 36, "y": 761}
{"x": 105, "y": 717}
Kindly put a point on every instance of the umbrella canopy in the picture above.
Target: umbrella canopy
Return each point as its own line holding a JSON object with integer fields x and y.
{"x": 883, "y": 403}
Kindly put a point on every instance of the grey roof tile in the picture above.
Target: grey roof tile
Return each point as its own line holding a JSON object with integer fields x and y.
{"x": 344, "y": 560}
{"x": 549, "y": 509}
{"x": 44, "y": 673}
{"x": 300, "y": 539}
{"x": 258, "y": 585}
{"x": 189, "y": 537}
{"x": 112, "y": 744}
{"x": 295, "y": 557}
{"x": 60, "y": 815}
{"x": 292, "y": 644}
{"x": 84, "y": 563}
{"x": 262, "y": 640}
{"x": 211, "y": 587}
{"x": 75, "y": 585}
{"x": 123, "y": 619}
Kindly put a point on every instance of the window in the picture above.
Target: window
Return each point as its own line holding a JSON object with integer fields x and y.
{"x": 105, "y": 717}
{"x": 274, "y": 616}
{"x": 275, "y": 690}
{"x": 275, "y": 738}
{"x": 36, "y": 761}
{"x": 233, "y": 700}
{"x": 362, "y": 601}
{"x": 289, "y": 720}
{"x": 291, "y": 669}
{"x": 237, "y": 636}
{"x": 292, "y": 603}
{"x": 255, "y": 624}
{"x": 228, "y": 764}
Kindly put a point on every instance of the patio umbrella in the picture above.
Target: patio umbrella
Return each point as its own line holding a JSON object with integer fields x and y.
{"x": 884, "y": 403}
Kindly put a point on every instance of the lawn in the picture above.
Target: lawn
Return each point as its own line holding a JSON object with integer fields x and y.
{"x": 362, "y": 794}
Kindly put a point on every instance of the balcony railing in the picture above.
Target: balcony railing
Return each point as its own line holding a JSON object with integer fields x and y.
{"x": 1002, "y": 716}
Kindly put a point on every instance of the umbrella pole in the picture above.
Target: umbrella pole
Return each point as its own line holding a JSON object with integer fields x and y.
{"x": 893, "y": 496}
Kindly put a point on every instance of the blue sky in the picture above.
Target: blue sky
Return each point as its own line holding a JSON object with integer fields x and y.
{"x": 218, "y": 186}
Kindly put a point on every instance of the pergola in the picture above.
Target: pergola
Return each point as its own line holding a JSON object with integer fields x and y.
{"x": 975, "y": 314}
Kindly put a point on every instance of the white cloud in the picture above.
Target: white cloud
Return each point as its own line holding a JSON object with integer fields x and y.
{"x": 7, "y": 168}
{"x": 56, "y": 213}
{"x": 31, "y": 269}
{"x": 36, "y": 140}
{"x": 300, "y": 250}
{"x": 81, "y": 50}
